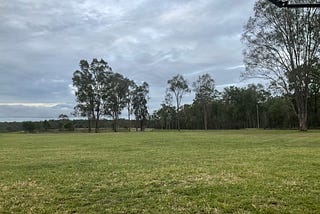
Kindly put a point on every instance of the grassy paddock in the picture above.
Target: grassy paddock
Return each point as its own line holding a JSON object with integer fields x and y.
{"x": 161, "y": 172}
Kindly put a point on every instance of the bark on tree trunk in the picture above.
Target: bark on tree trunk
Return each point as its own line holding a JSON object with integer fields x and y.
{"x": 178, "y": 122}
{"x": 129, "y": 119}
{"x": 116, "y": 124}
{"x": 89, "y": 123}
{"x": 302, "y": 104}
{"x": 205, "y": 117}
{"x": 141, "y": 125}
{"x": 136, "y": 123}
{"x": 303, "y": 122}
{"x": 178, "y": 119}
{"x": 97, "y": 123}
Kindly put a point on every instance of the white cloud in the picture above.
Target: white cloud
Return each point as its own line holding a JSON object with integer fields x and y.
{"x": 235, "y": 67}
{"x": 46, "y": 105}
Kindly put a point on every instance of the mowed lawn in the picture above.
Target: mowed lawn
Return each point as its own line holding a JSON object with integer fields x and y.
{"x": 243, "y": 171}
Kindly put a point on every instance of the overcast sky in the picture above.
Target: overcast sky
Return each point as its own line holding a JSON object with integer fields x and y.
{"x": 42, "y": 42}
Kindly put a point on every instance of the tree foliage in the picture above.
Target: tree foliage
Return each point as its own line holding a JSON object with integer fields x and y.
{"x": 139, "y": 102}
{"x": 100, "y": 92}
{"x": 29, "y": 126}
{"x": 90, "y": 84}
{"x": 116, "y": 96}
{"x": 204, "y": 88}
{"x": 283, "y": 45}
{"x": 179, "y": 87}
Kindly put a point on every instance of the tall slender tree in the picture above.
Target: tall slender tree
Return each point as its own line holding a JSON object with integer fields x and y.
{"x": 139, "y": 103}
{"x": 83, "y": 84}
{"x": 204, "y": 88}
{"x": 130, "y": 94}
{"x": 179, "y": 87}
{"x": 167, "y": 112}
{"x": 101, "y": 73}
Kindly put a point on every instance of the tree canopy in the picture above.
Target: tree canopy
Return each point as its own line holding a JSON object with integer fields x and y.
{"x": 100, "y": 92}
{"x": 139, "y": 102}
{"x": 283, "y": 46}
{"x": 204, "y": 88}
{"x": 179, "y": 87}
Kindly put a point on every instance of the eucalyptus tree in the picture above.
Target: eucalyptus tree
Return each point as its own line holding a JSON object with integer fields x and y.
{"x": 130, "y": 93}
{"x": 283, "y": 45}
{"x": 179, "y": 87}
{"x": 89, "y": 83}
{"x": 101, "y": 74}
{"x": 204, "y": 88}
{"x": 167, "y": 112}
{"x": 63, "y": 118}
{"x": 139, "y": 103}
{"x": 115, "y": 96}
{"x": 83, "y": 84}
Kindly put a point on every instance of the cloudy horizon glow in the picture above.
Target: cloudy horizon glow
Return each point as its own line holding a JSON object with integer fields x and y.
{"x": 42, "y": 42}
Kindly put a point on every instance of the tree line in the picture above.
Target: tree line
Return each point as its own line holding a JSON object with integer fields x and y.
{"x": 282, "y": 46}
{"x": 252, "y": 106}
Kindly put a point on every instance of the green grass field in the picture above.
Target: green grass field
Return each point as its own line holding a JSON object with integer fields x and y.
{"x": 245, "y": 171}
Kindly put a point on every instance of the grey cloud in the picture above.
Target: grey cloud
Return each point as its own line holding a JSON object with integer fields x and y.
{"x": 41, "y": 43}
